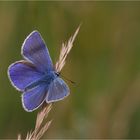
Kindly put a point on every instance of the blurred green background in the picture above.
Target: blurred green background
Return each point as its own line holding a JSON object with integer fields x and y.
{"x": 104, "y": 63}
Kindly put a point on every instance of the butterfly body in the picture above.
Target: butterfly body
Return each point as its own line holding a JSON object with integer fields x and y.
{"x": 47, "y": 78}
{"x": 35, "y": 76}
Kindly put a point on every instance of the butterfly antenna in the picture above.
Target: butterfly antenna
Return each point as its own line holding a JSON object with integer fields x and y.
{"x": 68, "y": 79}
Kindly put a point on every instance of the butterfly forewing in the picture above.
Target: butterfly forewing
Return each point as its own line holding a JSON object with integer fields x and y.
{"x": 22, "y": 73}
{"x": 35, "y": 50}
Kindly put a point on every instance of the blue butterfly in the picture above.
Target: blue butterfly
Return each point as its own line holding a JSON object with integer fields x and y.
{"x": 35, "y": 76}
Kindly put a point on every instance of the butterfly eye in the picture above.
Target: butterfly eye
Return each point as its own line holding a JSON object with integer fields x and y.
{"x": 57, "y": 73}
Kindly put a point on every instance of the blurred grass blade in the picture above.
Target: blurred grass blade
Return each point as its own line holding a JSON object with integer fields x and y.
{"x": 66, "y": 47}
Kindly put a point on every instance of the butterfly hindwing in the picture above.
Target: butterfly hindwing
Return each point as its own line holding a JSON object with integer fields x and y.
{"x": 34, "y": 98}
{"x": 58, "y": 90}
{"x": 35, "y": 50}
